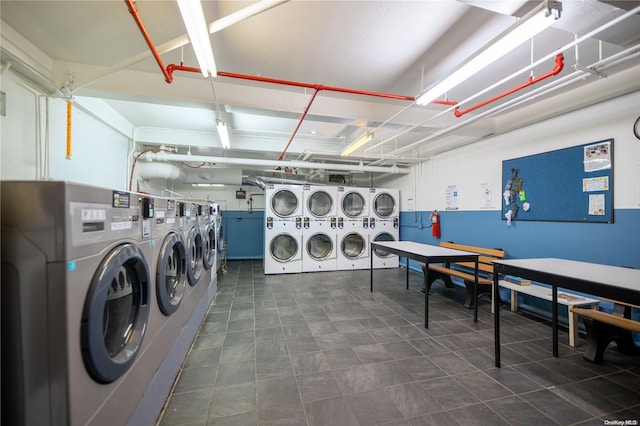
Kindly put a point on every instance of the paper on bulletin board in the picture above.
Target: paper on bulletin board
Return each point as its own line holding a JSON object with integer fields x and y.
{"x": 597, "y": 157}
{"x": 596, "y": 204}
{"x": 600, "y": 183}
{"x": 451, "y": 198}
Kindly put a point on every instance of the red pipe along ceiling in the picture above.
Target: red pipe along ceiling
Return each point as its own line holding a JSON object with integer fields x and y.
{"x": 556, "y": 70}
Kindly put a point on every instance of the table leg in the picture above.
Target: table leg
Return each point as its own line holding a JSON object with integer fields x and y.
{"x": 475, "y": 294}
{"x": 554, "y": 319}
{"x": 496, "y": 319}
{"x": 407, "y": 272}
{"x": 426, "y": 297}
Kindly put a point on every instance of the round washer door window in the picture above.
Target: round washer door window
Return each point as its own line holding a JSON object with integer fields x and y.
{"x": 383, "y": 236}
{"x": 284, "y": 247}
{"x": 194, "y": 257}
{"x": 384, "y": 205}
{"x": 320, "y": 203}
{"x": 284, "y": 203}
{"x": 352, "y": 246}
{"x": 170, "y": 274}
{"x": 209, "y": 247}
{"x": 319, "y": 246}
{"x": 115, "y": 313}
{"x": 353, "y": 204}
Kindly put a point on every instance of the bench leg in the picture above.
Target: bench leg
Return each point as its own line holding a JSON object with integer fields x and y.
{"x": 600, "y": 334}
{"x": 434, "y": 276}
{"x": 468, "y": 302}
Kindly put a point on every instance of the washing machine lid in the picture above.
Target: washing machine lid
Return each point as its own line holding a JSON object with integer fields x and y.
{"x": 319, "y": 246}
{"x": 384, "y": 205}
{"x": 383, "y": 236}
{"x": 115, "y": 313}
{"x": 319, "y": 203}
{"x": 284, "y": 202}
{"x": 284, "y": 247}
{"x": 353, "y": 204}
{"x": 353, "y": 246}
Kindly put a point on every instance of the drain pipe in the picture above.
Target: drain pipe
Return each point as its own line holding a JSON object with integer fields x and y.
{"x": 164, "y": 156}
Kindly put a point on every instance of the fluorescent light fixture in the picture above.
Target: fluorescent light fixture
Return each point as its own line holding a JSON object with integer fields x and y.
{"x": 223, "y": 133}
{"x": 193, "y": 17}
{"x": 532, "y": 24}
{"x": 207, "y": 185}
{"x": 357, "y": 144}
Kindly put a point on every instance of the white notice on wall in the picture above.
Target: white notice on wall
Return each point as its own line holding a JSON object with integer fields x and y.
{"x": 596, "y": 204}
{"x": 487, "y": 196}
{"x": 595, "y": 184}
{"x": 451, "y": 198}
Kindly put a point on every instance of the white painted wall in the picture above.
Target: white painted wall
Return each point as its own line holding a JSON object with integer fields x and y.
{"x": 468, "y": 168}
{"x": 99, "y": 154}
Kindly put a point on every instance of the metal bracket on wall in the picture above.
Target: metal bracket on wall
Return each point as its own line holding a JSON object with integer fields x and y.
{"x": 3, "y": 104}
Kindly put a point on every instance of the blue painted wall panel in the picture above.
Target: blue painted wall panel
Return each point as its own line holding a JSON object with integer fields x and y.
{"x": 244, "y": 234}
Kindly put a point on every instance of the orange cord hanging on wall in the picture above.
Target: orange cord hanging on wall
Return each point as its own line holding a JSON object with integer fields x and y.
{"x": 69, "y": 110}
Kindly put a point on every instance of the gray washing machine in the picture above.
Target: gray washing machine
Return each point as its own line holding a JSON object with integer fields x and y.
{"x": 75, "y": 303}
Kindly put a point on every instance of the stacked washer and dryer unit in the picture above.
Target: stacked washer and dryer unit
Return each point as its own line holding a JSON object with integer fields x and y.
{"x": 95, "y": 319}
{"x": 283, "y": 229}
{"x": 322, "y": 228}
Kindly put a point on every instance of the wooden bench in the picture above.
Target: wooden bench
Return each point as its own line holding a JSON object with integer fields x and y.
{"x": 465, "y": 271}
{"x": 604, "y": 328}
{"x": 544, "y": 293}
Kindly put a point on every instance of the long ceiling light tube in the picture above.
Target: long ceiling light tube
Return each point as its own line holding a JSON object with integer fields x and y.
{"x": 164, "y": 156}
{"x": 355, "y": 145}
{"x": 533, "y": 23}
{"x": 215, "y": 26}
{"x": 556, "y": 52}
{"x": 223, "y": 133}
{"x": 196, "y": 25}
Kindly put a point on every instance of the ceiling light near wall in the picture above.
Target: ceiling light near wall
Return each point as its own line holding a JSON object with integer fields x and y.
{"x": 193, "y": 17}
{"x": 357, "y": 144}
{"x": 533, "y": 23}
{"x": 223, "y": 133}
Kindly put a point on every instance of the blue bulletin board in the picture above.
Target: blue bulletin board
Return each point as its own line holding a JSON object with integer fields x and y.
{"x": 572, "y": 185}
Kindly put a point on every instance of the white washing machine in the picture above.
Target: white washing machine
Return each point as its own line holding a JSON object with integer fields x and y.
{"x": 76, "y": 290}
{"x": 319, "y": 228}
{"x": 384, "y": 223}
{"x": 353, "y": 208}
{"x": 353, "y": 248}
{"x": 283, "y": 229}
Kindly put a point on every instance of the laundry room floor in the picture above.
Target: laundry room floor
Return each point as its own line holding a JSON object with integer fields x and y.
{"x": 321, "y": 349}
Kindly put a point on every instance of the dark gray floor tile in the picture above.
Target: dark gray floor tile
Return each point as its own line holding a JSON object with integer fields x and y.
{"x": 238, "y": 352}
{"x": 389, "y": 373}
{"x": 558, "y": 409}
{"x": 269, "y": 368}
{"x": 518, "y": 413}
{"x": 330, "y": 412}
{"x": 187, "y": 408}
{"x": 302, "y": 345}
{"x": 412, "y": 400}
{"x": 373, "y": 408}
{"x": 401, "y": 350}
{"x": 513, "y": 380}
{"x": 202, "y": 357}
{"x": 482, "y": 386}
{"x": 194, "y": 379}
{"x": 452, "y": 364}
{"x": 232, "y": 400}
{"x": 312, "y": 362}
{"x": 245, "y": 419}
{"x": 477, "y": 415}
{"x": 236, "y": 373}
{"x": 318, "y": 386}
{"x": 356, "y": 379}
{"x": 421, "y": 368}
{"x": 372, "y": 353}
{"x": 281, "y": 416}
{"x": 449, "y": 393}
{"x": 277, "y": 392}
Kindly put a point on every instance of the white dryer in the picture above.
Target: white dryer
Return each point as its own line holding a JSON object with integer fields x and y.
{"x": 76, "y": 289}
{"x": 319, "y": 228}
{"x": 283, "y": 229}
{"x": 353, "y": 248}
{"x": 353, "y": 208}
{"x": 384, "y": 223}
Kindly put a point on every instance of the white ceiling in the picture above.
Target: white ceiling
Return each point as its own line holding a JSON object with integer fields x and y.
{"x": 392, "y": 47}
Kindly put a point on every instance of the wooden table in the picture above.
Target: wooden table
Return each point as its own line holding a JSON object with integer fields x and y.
{"x": 612, "y": 282}
{"x": 427, "y": 254}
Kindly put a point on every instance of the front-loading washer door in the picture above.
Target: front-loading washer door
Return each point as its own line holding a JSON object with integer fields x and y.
{"x": 353, "y": 204}
{"x": 383, "y": 236}
{"x": 284, "y": 248}
{"x": 320, "y": 247}
{"x": 284, "y": 203}
{"x": 209, "y": 247}
{"x": 171, "y": 273}
{"x": 384, "y": 205}
{"x": 320, "y": 203}
{"x": 353, "y": 246}
{"x": 194, "y": 256}
{"x": 115, "y": 313}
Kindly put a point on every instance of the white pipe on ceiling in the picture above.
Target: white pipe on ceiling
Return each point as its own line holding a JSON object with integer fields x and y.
{"x": 163, "y": 156}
